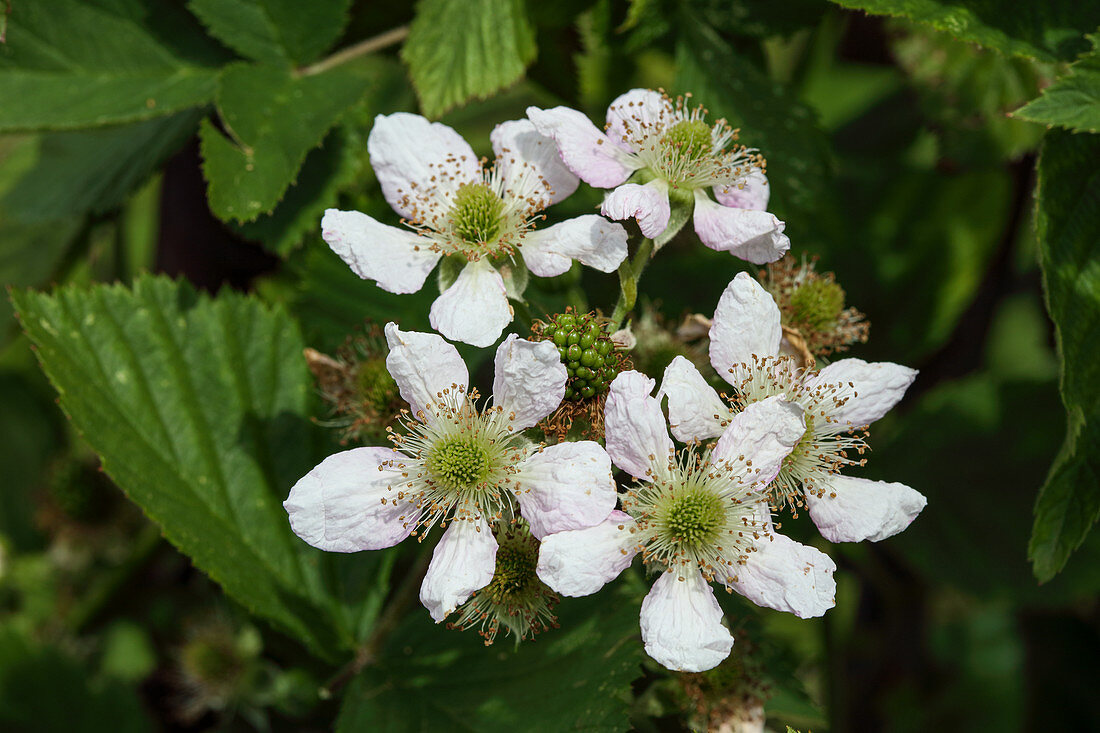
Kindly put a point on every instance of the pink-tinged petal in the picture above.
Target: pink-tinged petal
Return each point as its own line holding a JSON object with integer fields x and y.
{"x": 591, "y": 239}
{"x": 682, "y": 623}
{"x": 411, "y": 156}
{"x": 787, "y": 576}
{"x": 348, "y": 502}
{"x": 474, "y": 310}
{"x": 746, "y": 322}
{"x": 752, "y": 193}
{"x": 637, "y": 113}
{"x": 398, "y": 260}
{"x": 878, "y": 387}
{"x": 463, "y": 562}
{"x": 531, "y": 164}
{"x": 855, "y": 509}
{"x": 530, "y": 380}
{"x": 579, "y": 562}
{"x": 647, "y": 204}
{"x": 760, "y": 437}
{"x": 423, "y": 365}
{"x": 695, "y": 411}
{"x": 754, "y": 236}
{"x": 584, "y": 149}
{"x": 566, "y": 486}
{"x": 637, "y": 439}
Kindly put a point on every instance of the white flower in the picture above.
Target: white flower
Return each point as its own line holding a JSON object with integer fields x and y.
{"x": 456, "y": 465}
{"x": 839, "y": 402}
{"x": 695, "y": 519}
{"x": 670, "y": 150}
{"x": 483, "y": 219}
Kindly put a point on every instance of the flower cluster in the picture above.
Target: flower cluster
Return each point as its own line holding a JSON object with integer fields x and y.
{"x": 569, "y": 472}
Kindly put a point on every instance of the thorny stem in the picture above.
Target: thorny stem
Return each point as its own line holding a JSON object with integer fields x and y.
{"x": 395, "y": 609}
{"x": 370, "y": 45}
{"x": 630, "y": 272}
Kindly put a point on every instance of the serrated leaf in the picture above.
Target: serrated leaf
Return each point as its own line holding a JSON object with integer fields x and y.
{"x": 1052, "y": 30}
{"x": 85, "y": 63}
{"x": 197, "y": 408}
{"x": 1068, "y": 224}
{"x": 282, "y": 32}
{"x": 273, "y": 119}
{"x": 1073, "y": 101}
{"x": 458, "y": 50}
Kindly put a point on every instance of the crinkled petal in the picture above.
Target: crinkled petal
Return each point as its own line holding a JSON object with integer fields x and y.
{"x": 566, "y": 486}
{"x": 682, "y": 623}
{"x": 853, "y": 509}
{"x": 752, "y": 193}
{"x": 592, "y": 239}
{"x": 530, "y": 380}
{"x": 695, "y": 411}
{"x": 396, "y": 259}
{"x": 754, "y": 236}
{"x": 463, "y": 562}
{"x": 746, "y": 322}
{"x": 637, "y": 110}
{"x": 474, "y": 310}
{"x": 637, "y": 439}
{"x": 760, "y": 437}
{"x": 411, "y": 156}
{"x": 787, "y": 576}
{"x": 878, "y": 387}
{"x": 584, "y": 149}
{"x": 423, "y": 365}
{"x": 531, "y": 164}
{"x": 579, "y": 562}
{"x": 647, "y": 204}
{"x": 346, "y": 503}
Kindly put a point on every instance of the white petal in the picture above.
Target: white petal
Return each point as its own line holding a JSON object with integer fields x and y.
{"x": 647, "y": 204}
{"x": 642, "y": 111}
{"x": 592, "y": 239}
{"x": 566, "y": 486}
{"x": 474, "y": 310}
{"x": 530, "y": 380}
{"x": 752, "y": 194}
{"x": 464, "y": 561}
{"x": 787, "y": 576}
{"x": 637, "y": 439}
{"x": 856, "y": 509}
{"x": 423, "y": 365}
{"x": 761, "y": 436}
{"x": 398, "y": 260}
{"x": 878, "y": 387}
{"x": 579, "y": 562}
{"x": 682, "y": 623}
{"x": 746, "y": 322}
{"x": 411, "y": 156}
{"x": 695, "y": 411}
{"x": 584, "y": 149}
{"x": 754, "y": 236}
{"x": 346, "y": 503}
{"x": 531, "y": 164}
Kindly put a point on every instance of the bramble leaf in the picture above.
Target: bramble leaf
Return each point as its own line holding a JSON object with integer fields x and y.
{"x": 280, "y": 32}
{"x": 1073, "y": 101}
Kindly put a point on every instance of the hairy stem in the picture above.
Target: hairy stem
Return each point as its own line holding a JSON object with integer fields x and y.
{"x": 630, "y": 272}
{"x": 370, "y": 45}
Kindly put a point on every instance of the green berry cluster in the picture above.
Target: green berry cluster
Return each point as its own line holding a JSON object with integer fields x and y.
{"x": 586, "y": 350}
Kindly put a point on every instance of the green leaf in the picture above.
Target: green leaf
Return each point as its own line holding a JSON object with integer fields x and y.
{"x": 458, "y": 50}
{"x": 1050, "y": 30}
{"x": 281, "y": 32}
{"x": 273, "y": 120}
{"x": 84, "y": 63}
{"x": 1073, "y": 101}
{"x": 1068, "y": 224}
{"x": 197, "y": 408}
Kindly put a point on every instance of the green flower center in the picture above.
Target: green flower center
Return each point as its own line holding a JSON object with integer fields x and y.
{"x": 458, "y": 463}
{"x": 376, "y": 387}
{"x": 694, "y": 517}
{"x": 476, "y": 214}
{"x": 515, "y": 579}
{"x": 586, "y": 350}
{"x": 692, "y": 138}
{"x": 816, "y": 304}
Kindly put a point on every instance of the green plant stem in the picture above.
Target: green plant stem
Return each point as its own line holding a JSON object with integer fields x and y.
{"x": 630, "y": 272}
{"x": 370, "y": 45}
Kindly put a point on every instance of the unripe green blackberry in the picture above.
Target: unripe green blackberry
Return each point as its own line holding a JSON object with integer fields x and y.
{"x": 586, "y": 350}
